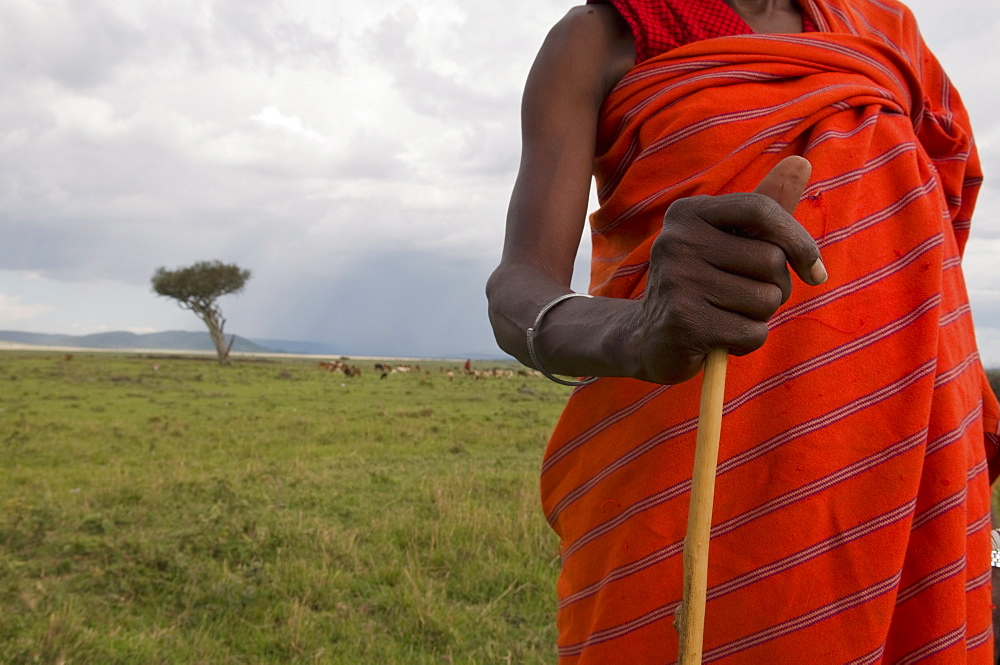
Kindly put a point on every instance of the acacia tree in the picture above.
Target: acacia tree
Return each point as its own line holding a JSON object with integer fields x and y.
{"x": 197, "y": 288}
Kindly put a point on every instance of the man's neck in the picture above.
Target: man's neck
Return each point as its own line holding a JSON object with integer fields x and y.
{"x": 769, "y": 16}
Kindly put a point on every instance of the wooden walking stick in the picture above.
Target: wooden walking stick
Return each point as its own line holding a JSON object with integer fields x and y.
{"x": 785, "y": 184}
{"x": 691, "y": 615}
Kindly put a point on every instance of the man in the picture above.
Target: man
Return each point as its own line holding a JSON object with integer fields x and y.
{"x": 851, "y": 522}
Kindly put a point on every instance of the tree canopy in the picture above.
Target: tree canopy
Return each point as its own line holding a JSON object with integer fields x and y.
{"x": 197, "y": 287}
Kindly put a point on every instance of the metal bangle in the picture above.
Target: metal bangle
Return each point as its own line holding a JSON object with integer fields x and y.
{"x": 533, "y": 331}
{"x": 995, "y": 548}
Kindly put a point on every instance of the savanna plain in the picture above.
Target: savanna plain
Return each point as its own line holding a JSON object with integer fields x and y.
{"x": 171, "y": 510}
{"x": 166, "y": 509}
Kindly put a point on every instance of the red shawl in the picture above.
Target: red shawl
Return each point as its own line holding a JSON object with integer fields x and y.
{"x": 851, "y": 522}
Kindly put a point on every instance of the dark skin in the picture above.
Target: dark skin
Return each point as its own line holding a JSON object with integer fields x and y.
{"x": 706, "y": 287}
{"x": 769, "y": 16}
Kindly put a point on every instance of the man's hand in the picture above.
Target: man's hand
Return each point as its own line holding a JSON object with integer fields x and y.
{"x": 718, "y": 272}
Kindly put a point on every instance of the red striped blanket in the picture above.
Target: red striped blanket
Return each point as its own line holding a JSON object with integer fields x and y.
{"x": 851, "y": 522}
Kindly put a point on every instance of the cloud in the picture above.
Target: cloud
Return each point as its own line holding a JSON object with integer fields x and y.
{"x": 203, "y": 132}
{"x": 12, "y": 309}
{"x": 82, "y": 46}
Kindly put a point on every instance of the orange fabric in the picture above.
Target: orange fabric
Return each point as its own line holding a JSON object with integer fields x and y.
{"x": 851, "y": 521}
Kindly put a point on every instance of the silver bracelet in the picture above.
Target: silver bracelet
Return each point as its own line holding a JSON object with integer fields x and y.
{"x": 995, "y": 548}
{"x": 533, "y": 330}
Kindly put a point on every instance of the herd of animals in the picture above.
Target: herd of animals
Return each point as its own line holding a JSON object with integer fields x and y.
{"x": 387, "y": 369}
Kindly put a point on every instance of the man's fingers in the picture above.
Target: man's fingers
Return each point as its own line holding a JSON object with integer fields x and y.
{"x": 766, "y": 214}
{"x": 786, "y": 182}
{"x": 759, "y": 217}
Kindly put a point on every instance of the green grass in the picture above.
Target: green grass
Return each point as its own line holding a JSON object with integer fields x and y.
{"x": 170, "y": 510}
{"x": 270, "y": 512}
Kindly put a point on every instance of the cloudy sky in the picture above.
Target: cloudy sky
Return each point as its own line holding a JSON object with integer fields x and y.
{"x": 357, "y": 157}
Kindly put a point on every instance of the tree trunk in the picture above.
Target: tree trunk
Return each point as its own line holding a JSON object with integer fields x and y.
{"x": 213, "y": 319}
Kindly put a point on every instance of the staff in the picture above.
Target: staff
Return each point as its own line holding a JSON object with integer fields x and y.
{"x": 691, "y": 617}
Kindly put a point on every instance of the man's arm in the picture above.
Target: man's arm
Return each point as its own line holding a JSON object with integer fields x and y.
{"x": 707, "y": 287}
{"x": 580, "y": 60}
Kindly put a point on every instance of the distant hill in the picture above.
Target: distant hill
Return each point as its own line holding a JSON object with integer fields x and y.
{"x": 172, "y": 339}
{"x": 333, "y": 350}
{"x": 181, "y": 340}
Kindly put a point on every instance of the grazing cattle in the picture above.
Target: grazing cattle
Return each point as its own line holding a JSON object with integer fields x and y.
{"x": 331, "y": 365}
{"x": 339, "y": 366}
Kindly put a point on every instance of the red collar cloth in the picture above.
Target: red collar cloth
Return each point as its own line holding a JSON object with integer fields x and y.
{"x": 661, "y": 25}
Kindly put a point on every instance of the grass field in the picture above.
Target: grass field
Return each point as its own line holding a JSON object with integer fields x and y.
{"x": 171, "y": 510}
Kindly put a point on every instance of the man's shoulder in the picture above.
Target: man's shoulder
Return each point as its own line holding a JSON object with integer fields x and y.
{"x": 592, "y": 37}
{"x": 588, "y": 18}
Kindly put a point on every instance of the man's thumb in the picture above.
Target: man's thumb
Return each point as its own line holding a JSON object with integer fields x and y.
{"x": 786, "y": 182}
